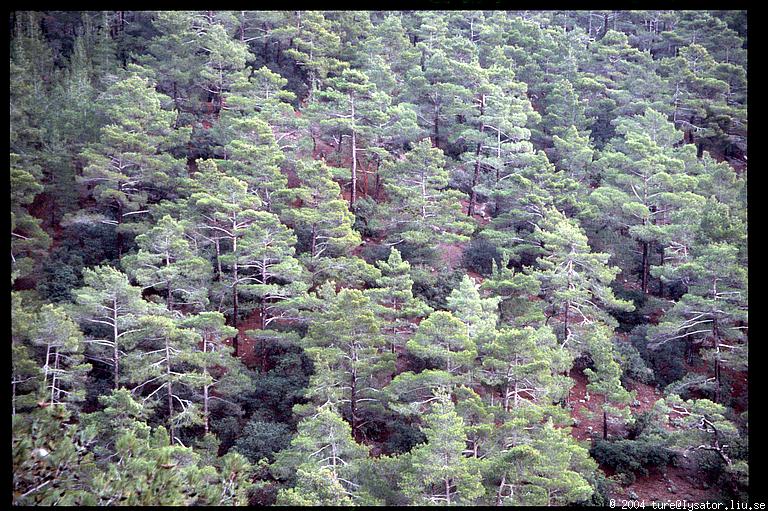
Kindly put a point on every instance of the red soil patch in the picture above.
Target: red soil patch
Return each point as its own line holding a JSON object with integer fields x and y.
{"x": 682, "y": 480}
{"x": 293, "y": 178}
{"x": 246, "y": 346}
{"x": 451, "y": 253}
{"x": 739, "y": 390}
{"x": 669, "y": 483}
{"x": 589, "y": 427}
{"x": 476, "y": 276}
{"x": 479, "y": 215}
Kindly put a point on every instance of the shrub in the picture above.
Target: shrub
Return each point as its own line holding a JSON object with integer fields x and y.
{"x": 366, "y": 212}
{"x": 262, "y": 439}
{"x": 62, "y": 272}
{"x": 630, "y": 457}
{"x": 632, "y": 364}
{"x": 373, "y": 252}
{"x": 604, "y": 488}
{"x": 479, "y": 254}
{"x": 434, "y": 289}
{"x": 403, "y": 437}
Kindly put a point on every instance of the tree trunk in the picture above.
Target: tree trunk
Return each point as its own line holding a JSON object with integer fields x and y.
{"x": 170, "y": 387}
{"x": 476, "y": 175}
{"x": 605, "y": 425}
{"x": 206, "y": 419}
{"x": 234, "y": 294}
{"x": 644, "y": 270}
{"x": 47, "y": 365}
{"x": 170, "y": 288}
{"x": 218, "y": 259}
{"x": 115, "y": 351}
{"x": 353, "y": 195}
{"x": 718, "y": 378}
{"x": 353, "y": 407}
{"x": 54, "y": 393}
{"x": 661, "y": 281}
{"x": 314, "y": 240}
{"x": 119, "y": 231}
{"x": 565, "y": 320}
{"x": 501, "y": 489}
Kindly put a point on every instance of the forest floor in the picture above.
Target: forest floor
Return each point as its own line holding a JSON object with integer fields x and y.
{"x": 661, "y": 484}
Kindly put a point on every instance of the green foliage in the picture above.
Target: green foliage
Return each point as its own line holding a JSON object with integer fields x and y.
{"x": 344, "y": 343}
{"x": 131, "y": 165}
{"x": 262, "y": 439}
{"x": 422, "y": 211}
{"x": 323, "y": 443}
{"x": 51, "y": 461}
{"x": 632, "y": 363}
{"x": 368, "y": 252}
{"x": 438, "y": 472}
{"x": 480, "y": 256}
{"x": 444, "y": 338}
{"x": 631, "y": 457}
{"x": 394, "y": 298}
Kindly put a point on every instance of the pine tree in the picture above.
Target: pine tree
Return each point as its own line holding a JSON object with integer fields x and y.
{"x": 394, "y": 296}
{"x": 479, "y": 314}
{"x": 605, "y": 377}
{"x": 323, "y": 442}
{"x": 130, "y": 167}
{"x": 443, "y": 338}
{"x": 110, "y": 307}
{"x": 323, "y": 212}
{"x": 166, "y": 262}
{"x": 51, "y": 459}
{"x": 496, "y": 136}
{"x": 224, "y": 376}
{"x": 575, "y": 155}
{"x": 26, "y": 376}
{"x": 28, "y": 240}
{"x": 314, "y": 47}
{"x": 550, "y": 470}
{"x": 319, "y": 487}
{"x": 163, "y": 359}
{"x": 438, "y": 472}
{"x": 712, "y": 315}
{"x": 64, "y": 370}
{"x": 523, "y": 364}
{"x": 410, "y": 394}
{"x": 323, "y": 223}
{"x": 574, "y": 279}
{"x": 700, "y": 426}
{"x": 227, "y": 215}
{"x": 352, "y": 107}
{"x": 521, "y": 198}
{"x": 421, "y": 210}
{"x": 515, "y": 289}
{"x": 644, "y": 180}
{"x": 249, "y": 127}
{"x": 174, "y": 60}
{"x": 345, "y": 341}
